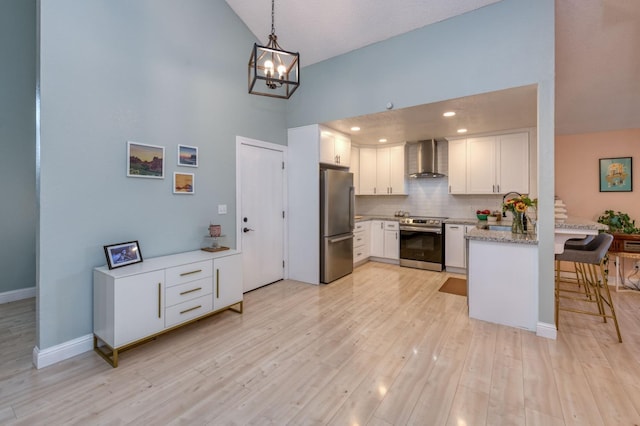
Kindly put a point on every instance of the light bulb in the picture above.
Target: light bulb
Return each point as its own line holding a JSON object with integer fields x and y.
{"x": 268, "y": 68}
{"x": 281, "y": 70}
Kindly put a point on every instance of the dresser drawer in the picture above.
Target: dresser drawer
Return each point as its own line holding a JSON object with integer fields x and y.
{"x": 188, "y": 310}
{"x": 189, "y": 272}
{"x": 187, "y": 291}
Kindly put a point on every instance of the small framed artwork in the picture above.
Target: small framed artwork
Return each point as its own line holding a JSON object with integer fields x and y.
{"x": 187, "y": 156}
{"x": 183, "y": 183}
{"x": 145, "y": 160}
{"x": 616, "y": 174}
{"x": 122, "y": 254}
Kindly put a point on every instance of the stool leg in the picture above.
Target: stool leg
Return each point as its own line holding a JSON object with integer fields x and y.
{"x": 605, "y": 284}
{"x": 557, "y": 292}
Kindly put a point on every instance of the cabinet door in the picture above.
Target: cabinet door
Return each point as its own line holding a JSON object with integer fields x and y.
{"x": 354, "y": 167}
{"x": 342, "y": 150}
{"x": 396, "y": 170}
{"x": 458, "y": 166}
{"x": 139, "y": 307}
{"x": 481, "y": 165}
{"x": 377, "y": 238}
{"x": 368, "y": 171}
{"x": 513, "y": 170}
{"x": 392, "y": 244}
{"x": 382, "y": 171}
{"x": 454, "y": 247}
{"x": 327, "y": 151}
{"x": 227, "y": 285}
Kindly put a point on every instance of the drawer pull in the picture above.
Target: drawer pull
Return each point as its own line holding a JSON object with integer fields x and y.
{"x": 190, "y": 309}
{"x": 190, "y": 291}
{"x": 159, "y": 300}
{"x": 190, "y": 272}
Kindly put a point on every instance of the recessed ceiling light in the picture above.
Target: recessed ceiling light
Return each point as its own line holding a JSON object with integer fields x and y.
{"x": 449, "y": 114}
{"x": 383, "y": 140}
{"x": 355, "y": 129}
{"x": 462, "y": 130}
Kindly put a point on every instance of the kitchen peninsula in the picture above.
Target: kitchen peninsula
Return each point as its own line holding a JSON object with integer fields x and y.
{"x": 502, "y": 272}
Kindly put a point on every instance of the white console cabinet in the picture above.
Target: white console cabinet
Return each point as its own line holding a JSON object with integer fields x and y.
{"x": 137, "y": 302}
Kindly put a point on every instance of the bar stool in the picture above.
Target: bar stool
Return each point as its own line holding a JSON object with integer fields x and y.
{"x": 588, "y": 259}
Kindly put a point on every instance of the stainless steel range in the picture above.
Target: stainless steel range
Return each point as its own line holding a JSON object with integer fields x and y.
{"x": 422, "y": 242}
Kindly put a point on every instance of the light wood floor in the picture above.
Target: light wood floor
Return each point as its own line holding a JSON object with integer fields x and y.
{"x": 380, "y": 347}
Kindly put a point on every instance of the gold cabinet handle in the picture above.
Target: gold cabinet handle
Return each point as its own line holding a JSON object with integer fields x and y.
{"x": 217, "y": 283}
{"x": 190, "y": 291}
{"x": 190, "y": 309}
{"x": 190, "y": 272}
{"x": 159, "y": 300}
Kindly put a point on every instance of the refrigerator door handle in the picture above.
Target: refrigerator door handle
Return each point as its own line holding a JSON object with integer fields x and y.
{"x": 337, "y": 240}
{"x": 352, "y": 203}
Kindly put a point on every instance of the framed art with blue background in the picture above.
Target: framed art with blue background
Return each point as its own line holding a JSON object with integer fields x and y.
{"x": 616, "y": 174}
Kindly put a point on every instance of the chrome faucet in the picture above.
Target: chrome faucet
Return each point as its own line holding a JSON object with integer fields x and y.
{"x": 504, "y": 198}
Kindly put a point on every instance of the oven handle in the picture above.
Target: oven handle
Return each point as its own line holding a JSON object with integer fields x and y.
{"x": 420, "y": 229}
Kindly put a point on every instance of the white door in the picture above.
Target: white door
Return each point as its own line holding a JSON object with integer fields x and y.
{"x": 261, "y": 221}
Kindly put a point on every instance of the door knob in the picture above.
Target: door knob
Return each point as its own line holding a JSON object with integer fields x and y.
{"x": 246, "y": 229}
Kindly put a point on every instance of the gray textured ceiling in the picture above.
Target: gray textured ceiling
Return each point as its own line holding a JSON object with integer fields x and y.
{"x": 597, "y": 52}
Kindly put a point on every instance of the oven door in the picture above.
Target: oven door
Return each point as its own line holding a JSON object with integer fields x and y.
{"x": 421, "y": 245}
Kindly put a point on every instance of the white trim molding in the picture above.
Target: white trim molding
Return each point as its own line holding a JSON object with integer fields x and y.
{"x": 547, "y": 330}
{"x": 46, "y": 357}
{"x": 12, "y": 296}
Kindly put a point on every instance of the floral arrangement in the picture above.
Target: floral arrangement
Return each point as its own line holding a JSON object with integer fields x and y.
{"x": 519, "y": 204}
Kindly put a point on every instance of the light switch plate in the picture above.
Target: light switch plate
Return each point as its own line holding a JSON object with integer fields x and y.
{"x": 222, "y": 209}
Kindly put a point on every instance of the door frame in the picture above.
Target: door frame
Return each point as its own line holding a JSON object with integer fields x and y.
{"x": 241, "y": 140}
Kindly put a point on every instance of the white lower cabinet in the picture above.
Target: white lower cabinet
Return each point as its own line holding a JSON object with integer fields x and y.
{"x": 136, "y": 302}
{"x": 361, "y": 247}
{"x": 385, "y": 239}
{"x": 392, "y": 240}
{"x": 455, "y": 247}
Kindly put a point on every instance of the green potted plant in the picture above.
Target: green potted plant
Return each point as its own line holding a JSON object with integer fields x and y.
{"x": 619, "y": 222}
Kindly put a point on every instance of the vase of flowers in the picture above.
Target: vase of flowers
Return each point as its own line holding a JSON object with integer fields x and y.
{"x": 518, "y": 207}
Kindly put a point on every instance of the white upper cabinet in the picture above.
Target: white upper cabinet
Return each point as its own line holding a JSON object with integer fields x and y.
{"x": 335, "y": 148}
{"x": 458, "y": 166}
{"x": 382, "y": 171}
{"x": 489, "y": 164}
{"x": 513, "y": 173}
{"x": 368, "y": 168}
{"x": 354, "y": 168}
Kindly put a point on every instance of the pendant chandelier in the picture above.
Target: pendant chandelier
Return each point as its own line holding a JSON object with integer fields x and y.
{"x": 272, "y": 71}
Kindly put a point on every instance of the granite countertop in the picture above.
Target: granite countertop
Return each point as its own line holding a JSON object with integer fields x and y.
{"x": 501, "y": 236}
{"x": 579, "y": 223}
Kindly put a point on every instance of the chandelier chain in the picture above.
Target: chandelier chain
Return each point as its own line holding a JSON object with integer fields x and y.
{"x": 273, "y": 29}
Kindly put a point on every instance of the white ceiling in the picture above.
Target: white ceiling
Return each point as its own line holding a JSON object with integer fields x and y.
{"x": 597, "y": 59}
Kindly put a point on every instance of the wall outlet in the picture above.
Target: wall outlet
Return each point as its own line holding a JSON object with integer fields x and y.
{"x": 222, "y": 209}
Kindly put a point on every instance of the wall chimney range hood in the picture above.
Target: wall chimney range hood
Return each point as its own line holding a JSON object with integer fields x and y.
{"x": 423, "y": 159}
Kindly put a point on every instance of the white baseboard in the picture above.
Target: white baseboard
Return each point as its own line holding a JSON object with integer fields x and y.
{"x": 12, "y": 296}
{"x": 547, "y": 330}
{"x": 55, "y": 354}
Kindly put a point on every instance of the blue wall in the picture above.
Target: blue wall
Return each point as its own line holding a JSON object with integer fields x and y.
{"x": 164, "y": 72}
{"x": 159, "y": 72}
{"x": 507, "y": 44}
{"x": 17, "y": 144}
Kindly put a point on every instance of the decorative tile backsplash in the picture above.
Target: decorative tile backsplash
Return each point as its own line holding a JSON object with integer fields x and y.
{"x": 428, "y": 197}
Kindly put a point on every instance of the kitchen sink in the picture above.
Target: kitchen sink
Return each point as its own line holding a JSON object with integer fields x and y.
{"x": 499, "y": 227}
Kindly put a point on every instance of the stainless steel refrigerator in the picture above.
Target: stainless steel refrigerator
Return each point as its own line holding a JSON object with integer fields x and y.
{"x": 337, "y": 204}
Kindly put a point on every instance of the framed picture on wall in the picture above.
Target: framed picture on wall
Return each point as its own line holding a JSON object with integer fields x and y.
{"x": 122, "y": 254}
{"x": 183, "y": 183}
{"x": 145, "y": 160}
{"x": 616, "y": 174}
{"x": 187, "y": 156}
